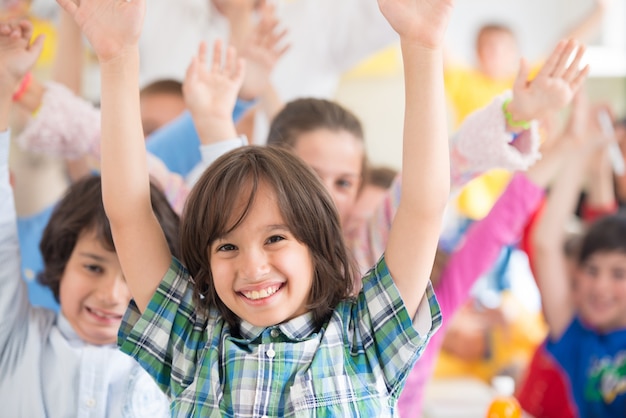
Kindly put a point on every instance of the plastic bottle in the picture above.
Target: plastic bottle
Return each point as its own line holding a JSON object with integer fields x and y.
{"x": 504, "y": 404}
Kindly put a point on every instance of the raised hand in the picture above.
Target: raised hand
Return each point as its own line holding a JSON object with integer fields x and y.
{"x": 211, "y": 93}
{"x": 262, "y": 51}
{"x": 111, "y": 26}
{"x": 17, "y": 54}
{"x": 422, "y": 22}
{"x": 553, "y": 87}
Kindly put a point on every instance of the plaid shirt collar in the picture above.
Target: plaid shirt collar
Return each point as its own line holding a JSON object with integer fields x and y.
{"x": 297, "y": 329}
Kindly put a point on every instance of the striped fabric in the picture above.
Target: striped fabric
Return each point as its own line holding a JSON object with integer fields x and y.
{"x": 355, "y": 365}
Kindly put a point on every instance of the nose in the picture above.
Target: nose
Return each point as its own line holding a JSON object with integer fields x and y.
{"x": 113, "y": 290}
{"x": 254, "y": 264}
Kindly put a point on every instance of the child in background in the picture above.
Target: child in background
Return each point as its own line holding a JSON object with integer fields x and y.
{"x": 376, "y": 183}
{"x": 578, "y": 372}
{"x": 162, "y": 101}
{"x": 66, "y": 364}
{"x": 272, "y": 279}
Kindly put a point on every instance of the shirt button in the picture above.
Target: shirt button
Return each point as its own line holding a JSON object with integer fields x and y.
{"x": 91, "y": 402}
{"x": 29, "y": 274}
{"x": 270, "y": 353}
{"x": 274, "y": 333}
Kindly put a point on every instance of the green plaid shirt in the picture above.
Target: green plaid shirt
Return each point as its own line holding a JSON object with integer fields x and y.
{"x": 355, "y": 365}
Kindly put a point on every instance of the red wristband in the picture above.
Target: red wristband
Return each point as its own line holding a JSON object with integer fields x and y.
{"x": 28, "y": 78}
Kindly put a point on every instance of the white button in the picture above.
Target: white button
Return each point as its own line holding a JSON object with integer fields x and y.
{"x": 29, "y": 274}
{"x": 274, "y": 333}
{"x": 91, "y": 402}
{"x": 270, "y": 353}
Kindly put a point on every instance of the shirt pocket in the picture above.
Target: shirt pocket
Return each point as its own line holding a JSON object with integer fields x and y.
{"x": 334, "y": 396}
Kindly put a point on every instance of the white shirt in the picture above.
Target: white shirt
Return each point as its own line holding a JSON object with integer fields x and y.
{"x": 46, "y": 370}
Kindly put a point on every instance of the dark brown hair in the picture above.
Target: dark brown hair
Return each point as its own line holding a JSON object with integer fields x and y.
{"x": 304, "y": 203}
{"x": 166, "y": 86}
{"x": 81, "y": 210}
{"x": 607, "y": 234}
{"x": 381, "y": 177}
{"x": 305, "y": 115}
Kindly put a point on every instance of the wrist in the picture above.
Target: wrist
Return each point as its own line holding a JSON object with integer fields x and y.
{"x": 212, "y": 130}
{"x": 516, "y": 118}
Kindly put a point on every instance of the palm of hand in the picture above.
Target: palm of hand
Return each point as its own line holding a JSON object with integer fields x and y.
{"x": 545, "y": 94}
{"x": 212, "y": 92}
{"x": 423, "y": 21}
{"x": 111, "y": 26}
{"x": 16, "y": 59}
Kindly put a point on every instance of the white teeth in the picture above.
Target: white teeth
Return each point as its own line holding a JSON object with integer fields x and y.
{"x": 101, "y": 315}
{"x": 261, "y": 294}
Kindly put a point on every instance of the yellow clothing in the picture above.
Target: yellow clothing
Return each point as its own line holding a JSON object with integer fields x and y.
{"x": 510, "y": 347}
{"x": 468, "y": 90}
{"x": 44, "y": 27}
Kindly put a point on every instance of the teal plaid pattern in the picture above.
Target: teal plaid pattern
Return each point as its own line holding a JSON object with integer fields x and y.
{"x": 354, "y": 366}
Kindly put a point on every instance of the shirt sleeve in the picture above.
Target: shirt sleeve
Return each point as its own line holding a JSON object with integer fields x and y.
{"x": 13, "y": 296}
{"x": 483, "y": 143}
{"x": 392, "y": 340}
{"x": 168, "y": 337}
{"x": 212, "y": 152}
{"x": 484, "y": 240}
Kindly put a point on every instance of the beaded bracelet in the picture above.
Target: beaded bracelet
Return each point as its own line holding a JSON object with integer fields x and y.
{"x": 524, "y": 124}
{"x": 21, "y": 90}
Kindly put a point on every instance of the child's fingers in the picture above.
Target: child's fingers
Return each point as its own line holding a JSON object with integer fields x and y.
{"x": 69, "y": 6}
{"x": 216, "y": 64}
{"x": 561, "y": 65}
{"x": 202, "y": 53}
{"x": 572, "y": 71}
{"x": 550, "y": 64}
{"x": 580, "y": 78}
{"x": 231, "y": 61}
{"x": 192, "y": 69}
{"x": 37, "y": 46}
{"x": 240, "y": 70}
{"x": 27, "y": 29}
{"x": 522, "y": 76}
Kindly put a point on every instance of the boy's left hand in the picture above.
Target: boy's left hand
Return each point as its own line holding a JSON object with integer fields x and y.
{"x": 111, "y": 26}
{"x": 553, "y": 87}
{"x": 422, "y": 22}
{"x": 17, "y": 55}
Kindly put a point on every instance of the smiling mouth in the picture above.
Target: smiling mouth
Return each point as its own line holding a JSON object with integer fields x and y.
{"x": 102, "y": 315}
{"x": 263, "y": 293}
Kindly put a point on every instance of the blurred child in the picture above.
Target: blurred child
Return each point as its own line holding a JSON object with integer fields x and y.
{"x": 66, "y": 364}
{"x": 581, "y": 363}
{"x": 161, "y": 102}
{"x": 376, "y": 183}
{"x": 272, "y": 278}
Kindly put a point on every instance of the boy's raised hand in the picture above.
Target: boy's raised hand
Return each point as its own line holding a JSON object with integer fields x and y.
{"x": 211, "y": 93}
{"x": 554, "y": 86}
{"x": 262, "y": 51}
{"x": 17, "y": 54}
{"x": 421, "y": 21}
{"x": 111, "y": 26}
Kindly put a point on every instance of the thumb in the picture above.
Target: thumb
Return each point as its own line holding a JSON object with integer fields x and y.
{"x": 522, "y": 76}
{"x": 36, "y": 47}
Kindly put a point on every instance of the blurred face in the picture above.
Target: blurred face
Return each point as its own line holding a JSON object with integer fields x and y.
{"x": 337, "y": 158}
{"x": 601, "y": 291}
{"x": 11, "y": 9}
{"x": 93, "y": 293}
{"x": 158, "y": 109}
{"x": 366, "y": 203}
{"x": 261, "y": 272}
{"x": 498, "y": 55}
{"x": 226, "y": 7}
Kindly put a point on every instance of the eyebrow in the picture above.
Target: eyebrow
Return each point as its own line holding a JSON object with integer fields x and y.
{"x": 94, "y": 257}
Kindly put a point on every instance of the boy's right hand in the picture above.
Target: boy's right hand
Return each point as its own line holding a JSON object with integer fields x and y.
{"x": 211, "y": 93}
{"x": 17, "y": 54}
{"x": 111, "y": 26}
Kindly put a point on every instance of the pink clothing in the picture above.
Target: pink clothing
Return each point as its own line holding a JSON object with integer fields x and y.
{"x": 68, "y": 127}
{"x": 482, "y": 143}
{"x": 477, "y": 253}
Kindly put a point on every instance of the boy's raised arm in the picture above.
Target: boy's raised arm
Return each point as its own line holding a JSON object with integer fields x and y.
{"x": 113, "y": 28}
{"x": 410, "y": 251}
